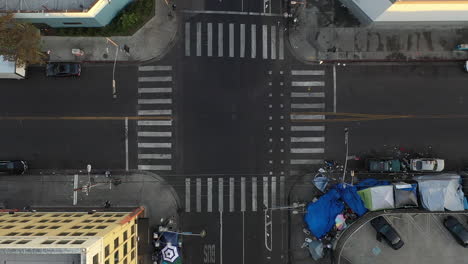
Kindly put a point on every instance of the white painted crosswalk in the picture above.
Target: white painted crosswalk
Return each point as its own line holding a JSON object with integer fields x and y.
{"x": 241, "y": 40}
{"x": 155, "y": 128}
{"x": 307, "y": 133}
{"x": 233, "y": 194}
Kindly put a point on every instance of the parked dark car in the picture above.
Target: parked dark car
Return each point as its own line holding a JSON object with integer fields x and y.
{"x": 63, "y": 69}
{"x": 13, "y": 166}
{"x": 384, "y": 165}
{"x": 457, "y": 230}
{"x": 387, "y": 232}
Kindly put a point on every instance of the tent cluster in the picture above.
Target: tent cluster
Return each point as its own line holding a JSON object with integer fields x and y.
{"x": 436, "y": 193}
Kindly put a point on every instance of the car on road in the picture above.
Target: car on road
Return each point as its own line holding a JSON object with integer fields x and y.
{"x": 457, "y": 230}
{"x": 63, "y": 69}
{"x": 384, "y": 165}
{"x": 427, "y": 164}
{"x": 387, "y": 232}
{"x": 13, "y": 166}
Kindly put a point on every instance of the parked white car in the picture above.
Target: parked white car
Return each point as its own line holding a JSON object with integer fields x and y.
{"x": 427, "y": 164}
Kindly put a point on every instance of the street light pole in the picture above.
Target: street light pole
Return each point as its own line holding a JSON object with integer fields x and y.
{"x": 114, "y": 89}
{"x": 346, "y": 131}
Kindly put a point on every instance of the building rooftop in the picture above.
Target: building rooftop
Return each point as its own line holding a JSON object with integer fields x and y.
{"x": 37, "y": 6}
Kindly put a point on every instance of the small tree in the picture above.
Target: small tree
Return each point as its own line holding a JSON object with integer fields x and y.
{"x": 19, "y": 41}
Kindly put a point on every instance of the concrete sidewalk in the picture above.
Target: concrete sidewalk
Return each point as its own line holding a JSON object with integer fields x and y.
{"x": 151, "y": 41}
{"x": 323, "y": 34}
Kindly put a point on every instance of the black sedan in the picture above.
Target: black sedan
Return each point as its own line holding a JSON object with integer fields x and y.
{"x": 457, "y": 230}
{"x": 387, "y": 232}
{"x": 13, "y": 166}
{"x": 63, "y": 69}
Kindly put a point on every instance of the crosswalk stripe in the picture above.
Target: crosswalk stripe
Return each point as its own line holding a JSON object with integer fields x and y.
{"x": 155, "y": 68}
{"x": 199, "y": 39}
{"x": 154, "y": 156}
{"x": 220, "y": 194}
{"x": 307, "y": 150}
{"x": 155, "y": 112}
{"x": 187, "y": 39}
{"x": 307, "y": 83}
{"x": 307, "y": 117}
{"x": 210, "y": 39}
{"x": 308, "y": 106}
{"x": 265, "y": 41}
{"x": 265, "y": 192}
{"x": 307, "y": 128}
{"x": 254, "y": 194}
{"x": 307, "y": 139}
{"x": 231, "y": 40}
{"x": 154, "y": 145}
{"x": 187, "y": 195}
{"x": 306, "y": 162}
{"x": 304, "y": 95}
{"x": 198, "y": 193}
{"x": 273, "y": 42}
{"x": 155, "y": 79}
{"x": 155, "y": 167}
{"x": 281, "y": 44}
{"x": 253, "y": 41}
{"x": 242, "y": 194}
{"x": 242, "y": 40}
{"x": 155, "y": 90}
{"x": 308, "y": 72}
{"x": 209, "y": 185}
{"x": 154, "y": 123}
{"x": 220, "y": 40}
{"x": 154, "y": 101}
{"x": 273, "y": 192}
{"x": 154, "y": 134}
{"x": 231, "y": 194}
{"x": 282, "y": 180}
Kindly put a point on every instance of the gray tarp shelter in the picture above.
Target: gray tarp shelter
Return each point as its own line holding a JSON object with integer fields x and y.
{"x": 440, "y": 192}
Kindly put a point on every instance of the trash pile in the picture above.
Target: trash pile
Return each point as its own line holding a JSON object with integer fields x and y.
{"x": 342, "y": 203}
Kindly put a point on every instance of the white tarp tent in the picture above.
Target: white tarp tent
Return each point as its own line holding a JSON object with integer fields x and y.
{"x": 11, "y": 70}
{"x": 378, "y": 197}
{"x": 440, "y": 192}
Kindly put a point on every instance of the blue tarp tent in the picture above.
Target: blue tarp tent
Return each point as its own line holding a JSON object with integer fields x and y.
{"x": 350, "y": 196}
{"x": 320, "y": 216}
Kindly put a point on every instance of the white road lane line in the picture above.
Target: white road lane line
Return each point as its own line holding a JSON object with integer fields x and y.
{"x": 281, "y": 44}
{"x": 334, "y": 88}
{"x": 155, "y": 79}
{"x": 154, "y": 123}
{"x": 242, "y": 194}
{"x": 273, "y": 42}
{"x": 265, "y": 41}
{"x": 307, "y": 83}
{"x": 187, "y": 195}
{"x": 155, "y": 68}
{"x": 254, "y": 194}
{"x": 154, "y": 145}
{"x": 126, "y": 143}
{"x": 307, "y": 128}
{"x": 307, "y": 150}
{"x": 308, "y": 72}
{"x": 308, "y": 106}
{"x": 308, "y": 117}
{"x": 198, "y": 193}
{"x": 198, "y": 38}
{"x": 155, "y": 90}
{"x": 220, "y": 40}
{"x": 209, "y": 184}
{"x": 253, "y": 41}
{"x": 306, "y": 162}
{"x": 155, "y": 167}
{"x": 265, "y": 192}
{"x": 231, "y": 40}
{"x": 273, "y": 192}
{"x": 220, "y": 194}
{"x": 242, "y": 40}
{"x": 316, "y": 95}
{"x": 231, "y": 194}
{"x": 155, "y": 112}
{"x": 154, "y": 134}
{"x": 307, "y": 139}
{"x": 210, "y": 39}
{"x": 187, "y": 38}
{"x": 154, "y": 156}
{"x": 154, "y": 101}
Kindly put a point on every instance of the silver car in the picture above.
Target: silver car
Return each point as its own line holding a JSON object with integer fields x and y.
{"x": 427, "y": 165}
